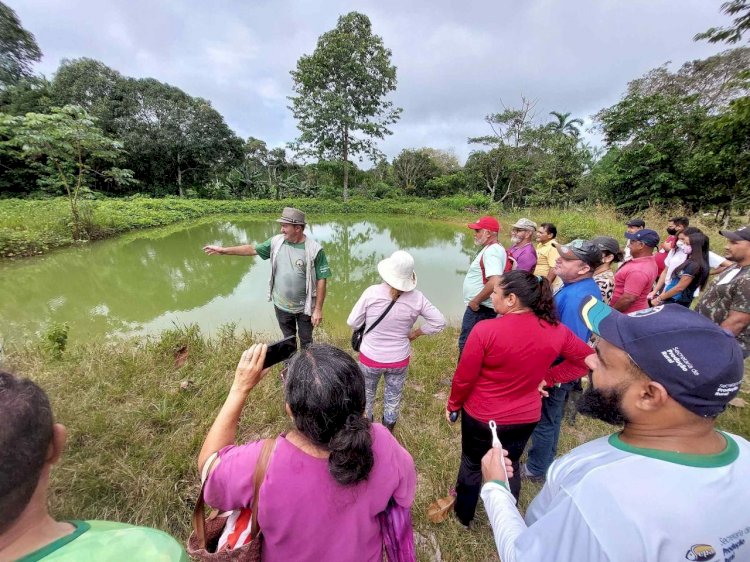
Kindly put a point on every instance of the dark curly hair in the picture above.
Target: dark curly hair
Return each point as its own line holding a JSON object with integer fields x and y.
{"x": 533, "y": 291}
{"x": 325, "y": 391}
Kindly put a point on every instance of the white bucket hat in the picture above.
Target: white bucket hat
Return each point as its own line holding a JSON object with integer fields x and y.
{"x": 398, "y": 271}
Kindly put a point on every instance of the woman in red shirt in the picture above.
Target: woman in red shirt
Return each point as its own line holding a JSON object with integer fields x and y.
{"x": 498, "y": 377}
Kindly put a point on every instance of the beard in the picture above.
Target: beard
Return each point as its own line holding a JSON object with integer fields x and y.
{"x": 602, "y": 405}
{"x": 516, "y": 239}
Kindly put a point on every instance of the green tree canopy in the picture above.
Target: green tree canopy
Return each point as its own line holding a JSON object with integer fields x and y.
{"x": 18, "y": 48}
{"x": 71, "y": 151}
{"x": 171, "y": 138}
{"x": 740, "y": 9}
{"x": 340, "y": 93}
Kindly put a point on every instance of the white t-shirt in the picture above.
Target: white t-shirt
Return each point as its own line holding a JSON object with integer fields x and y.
{"x": 609, "y": 501}
{"x": 675, "y": 258}
{"x": 714, "y": 260}
{"x": 494, "y": 264}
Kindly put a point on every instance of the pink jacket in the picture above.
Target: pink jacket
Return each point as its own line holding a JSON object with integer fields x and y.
{"x": 389, "y": 341}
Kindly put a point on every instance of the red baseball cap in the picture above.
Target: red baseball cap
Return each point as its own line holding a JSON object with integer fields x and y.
{"x": 487, "y": 223}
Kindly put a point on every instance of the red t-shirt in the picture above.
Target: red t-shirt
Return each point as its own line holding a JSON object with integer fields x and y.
{"x": 635, "y": 277}
{"x": 504, "y": 361}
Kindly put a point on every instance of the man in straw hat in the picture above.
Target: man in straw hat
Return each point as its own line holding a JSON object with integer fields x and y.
{"x": 669, "y": 486}
{"x": 299, "y": 270}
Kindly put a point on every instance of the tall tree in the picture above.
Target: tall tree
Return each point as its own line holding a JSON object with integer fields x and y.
{"x": 18, "y": 48}
{"x": 412, "y": 169}
{"x": 340, "y": 102}
{"x": 740, "y": 24}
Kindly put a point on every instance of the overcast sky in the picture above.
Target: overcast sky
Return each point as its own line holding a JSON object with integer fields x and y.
{"x": 456, "y": 60}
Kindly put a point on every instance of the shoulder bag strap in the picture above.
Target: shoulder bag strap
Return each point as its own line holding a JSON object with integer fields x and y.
{"x": 199, "y": 513}
{"x": 260, "y": 473}
{"x": 386, "y": 311}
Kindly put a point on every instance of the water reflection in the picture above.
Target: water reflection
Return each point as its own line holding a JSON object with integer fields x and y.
{"x": 148, "y": 281}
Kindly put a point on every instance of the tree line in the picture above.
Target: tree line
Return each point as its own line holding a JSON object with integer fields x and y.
{"x": 677, "y": 137}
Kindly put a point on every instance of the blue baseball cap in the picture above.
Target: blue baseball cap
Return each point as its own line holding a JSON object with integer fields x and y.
{"x": 646, "y": 235}
{"x": 698, "y": 362}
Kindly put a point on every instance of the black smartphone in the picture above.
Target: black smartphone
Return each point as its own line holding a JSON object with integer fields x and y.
{"x": 279, "y": 351}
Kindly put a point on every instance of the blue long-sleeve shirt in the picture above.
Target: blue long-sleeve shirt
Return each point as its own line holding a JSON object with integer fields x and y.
{"x": 568, "y": 301}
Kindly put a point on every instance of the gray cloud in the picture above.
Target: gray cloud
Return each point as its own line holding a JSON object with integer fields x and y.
{"x": 456, "y": 60}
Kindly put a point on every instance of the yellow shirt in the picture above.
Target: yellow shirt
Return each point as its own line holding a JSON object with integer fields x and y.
{"x": 546, "y": 256}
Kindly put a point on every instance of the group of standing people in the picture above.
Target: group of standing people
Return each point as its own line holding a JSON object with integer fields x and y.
{"x": 533, "y": 315}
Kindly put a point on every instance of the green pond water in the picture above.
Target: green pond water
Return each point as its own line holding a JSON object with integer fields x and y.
{"x": 148, "y": 281}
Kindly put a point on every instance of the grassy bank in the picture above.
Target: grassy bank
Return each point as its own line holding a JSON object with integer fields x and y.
{"x": 134, "y": 433}
{"x": 32, "y": 227}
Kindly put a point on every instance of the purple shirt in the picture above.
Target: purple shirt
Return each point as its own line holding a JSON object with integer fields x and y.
{"x": 525, "y": 257}
{"x": 304, "y": 513}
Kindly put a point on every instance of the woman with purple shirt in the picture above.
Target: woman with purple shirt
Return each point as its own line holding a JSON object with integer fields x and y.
{"x": 386, "y": 350}
{"x": 327, "y": 479}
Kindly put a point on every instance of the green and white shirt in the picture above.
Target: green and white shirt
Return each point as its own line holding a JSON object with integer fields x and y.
{"x": 107, "y": 541}
{"x": 290, "y": 282}
{"x": 607, "y": 500}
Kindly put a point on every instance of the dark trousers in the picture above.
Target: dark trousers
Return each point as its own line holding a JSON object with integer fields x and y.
{"x": 290, "y": 323}
{"x": 547, "y": 432}
{"x": 469, "y": 320}
{"x": 476, "y": 440}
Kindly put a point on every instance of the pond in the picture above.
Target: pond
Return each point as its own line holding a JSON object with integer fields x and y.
{"x": 148, "y": 281}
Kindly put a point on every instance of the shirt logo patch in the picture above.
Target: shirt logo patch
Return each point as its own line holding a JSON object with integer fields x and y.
{"x": 646, "y": 311}
{"x": 701, "y": 552}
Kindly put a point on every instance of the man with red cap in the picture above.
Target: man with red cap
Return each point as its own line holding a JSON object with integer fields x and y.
{"x": 483, "y": 273}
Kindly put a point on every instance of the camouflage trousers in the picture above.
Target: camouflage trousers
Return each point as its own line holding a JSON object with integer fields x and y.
{"x": 394, "y": 385}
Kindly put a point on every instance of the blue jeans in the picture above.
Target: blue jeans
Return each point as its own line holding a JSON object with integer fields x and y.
{"x": 470, "y": 320}
{"x": 547, "y": 432}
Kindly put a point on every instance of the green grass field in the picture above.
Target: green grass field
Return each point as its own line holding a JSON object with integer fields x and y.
{"x": 134, "y": 434}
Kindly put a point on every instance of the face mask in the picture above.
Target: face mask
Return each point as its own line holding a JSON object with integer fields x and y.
{"x": 626, "y": 253}
{"x": 671, "y": 231}
{"x": 687, "y": 250}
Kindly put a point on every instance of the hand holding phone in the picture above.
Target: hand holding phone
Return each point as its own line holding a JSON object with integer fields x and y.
{"x": 280, "y": 351}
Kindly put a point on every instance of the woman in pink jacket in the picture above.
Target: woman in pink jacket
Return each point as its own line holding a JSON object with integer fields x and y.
{"x": 386, "y": 349}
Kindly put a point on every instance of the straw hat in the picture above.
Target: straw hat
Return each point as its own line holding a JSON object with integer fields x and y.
{"x": 398, "y": 271}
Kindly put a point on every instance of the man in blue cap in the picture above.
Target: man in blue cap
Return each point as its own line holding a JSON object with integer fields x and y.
{"x": 635, "y": 278}
{"x": 669, "y": 486}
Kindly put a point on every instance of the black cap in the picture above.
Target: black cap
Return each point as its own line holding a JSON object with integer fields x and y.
{"x": 647, "y": 236}
{"x": 607, "y": 244}
{"x": 640, "y": 223}
{"x": 583, "y": 250}
{"x": 742, "y": 233}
